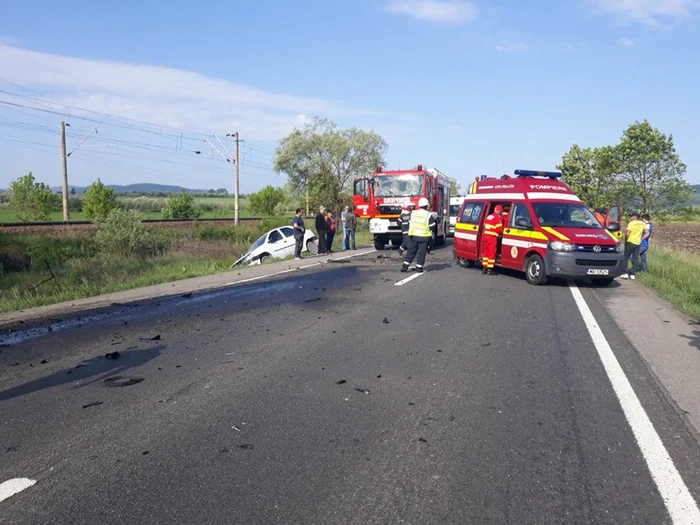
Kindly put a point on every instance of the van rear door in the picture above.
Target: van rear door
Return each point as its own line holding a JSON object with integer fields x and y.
{"x": 468, "y": 230}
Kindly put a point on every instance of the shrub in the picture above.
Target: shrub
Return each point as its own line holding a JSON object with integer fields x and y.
{"x": 180, "y": 206}
{"x": 98, "y": 202}
{"x": 30, "y": 200}
{"x": 142, "y": 204}
{"x": 122, "y": 233}
{"x": 266, "y": 201}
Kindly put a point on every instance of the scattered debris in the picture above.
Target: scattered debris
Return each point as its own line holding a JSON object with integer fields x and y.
{"x": 246, "y": 446}
{"x": 357, "y": 289}
{"x": 667, "y": 322}
{"x": 223, "y": 450}
{"x": 155, "y": 338}
{"x": 379, "y": 376}
{"x": 117, "y": 343}
{"x": 124, "y": 323}
{"x": 341, "y": 382}
{"x": 362, "y": 389}
{"x": 234, "y": 427}
{"x": 132, "y": 347}
{"x": 411, "y": 403}
{"x": 93, "y": 404}
{"x": 422, "y": 440}
{"x": 178, "y": 366}
{"x": 312, "y": 300}
{"x": 385, "y": 321}
{"x": 187, "y": 295}
{"x": 112, "y": 355}
{"x": 120, "y": 381}
{"x": 439, "y": 350}
{"x": 145, "y": 452}
{"x": 43, "y": 362}
{"x": 693, "y": 322}
{"x": 11, "y": 449}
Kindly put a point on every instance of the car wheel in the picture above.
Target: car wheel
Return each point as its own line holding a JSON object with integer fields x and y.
{"x": 265, "y": 258}
{"x": 534, "y": 270}
{"x": 312, "y": 246}
{"x": 603, "y": 282}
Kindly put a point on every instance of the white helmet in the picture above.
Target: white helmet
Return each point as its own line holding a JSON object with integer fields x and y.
{"x": 423, "y": 202}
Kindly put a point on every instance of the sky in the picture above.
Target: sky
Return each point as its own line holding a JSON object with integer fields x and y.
{"x": 468, "y": 87}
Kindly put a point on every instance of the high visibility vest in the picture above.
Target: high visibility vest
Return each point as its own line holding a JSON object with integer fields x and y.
{"x": 420, "y": 223}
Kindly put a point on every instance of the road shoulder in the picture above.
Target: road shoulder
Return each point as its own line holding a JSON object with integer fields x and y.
{"x": 667, "y": 341}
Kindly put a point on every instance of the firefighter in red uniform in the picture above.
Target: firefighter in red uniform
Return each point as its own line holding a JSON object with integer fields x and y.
{"x": 493, "y": 228}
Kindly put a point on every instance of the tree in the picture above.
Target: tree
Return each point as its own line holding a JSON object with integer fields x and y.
{"x": 266, "y": 200}
{"x": 649, "y": 169}
{"x": 323, "y": 159}
{"x": 73, "y": 191}
{"x": 30, "y": 200}
{"x": 589, "y": 173}
{"x": 455, "y": 186}
{"x": 98, "y": 202}
{"x": 180, "y": 206}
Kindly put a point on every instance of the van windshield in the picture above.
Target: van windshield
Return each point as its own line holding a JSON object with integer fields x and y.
{"x": 567, "y": 215}
{"x": 454, "y": 209}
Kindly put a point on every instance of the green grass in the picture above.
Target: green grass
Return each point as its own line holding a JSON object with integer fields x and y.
{"x": 676, "y": 277}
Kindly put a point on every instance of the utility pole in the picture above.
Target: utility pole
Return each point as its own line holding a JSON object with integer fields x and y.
{"x": 64, "y": 159}
{"x": 236, "y": 201}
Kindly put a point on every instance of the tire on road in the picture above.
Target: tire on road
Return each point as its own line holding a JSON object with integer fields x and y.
{"x": 534, "y": 270}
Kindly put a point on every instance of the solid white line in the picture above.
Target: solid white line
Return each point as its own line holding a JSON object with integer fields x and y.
{"x": 679, "y": 502}
{"x": 353, "y": 255}
{"x": 408, "y": 279}
{"x": 13, "y": 486}
{"x": 309, "y": 266}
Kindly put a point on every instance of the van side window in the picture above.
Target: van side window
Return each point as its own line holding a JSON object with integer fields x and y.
{"x": 471, "y": 213}
{"x": 522, "y": 212}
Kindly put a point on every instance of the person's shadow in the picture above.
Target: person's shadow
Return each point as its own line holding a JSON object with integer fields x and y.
{"x": 693, "y": 340}
{"x": 98, "y": 367}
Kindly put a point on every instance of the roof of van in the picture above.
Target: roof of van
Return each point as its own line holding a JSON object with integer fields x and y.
{"x": 524, "y": 187}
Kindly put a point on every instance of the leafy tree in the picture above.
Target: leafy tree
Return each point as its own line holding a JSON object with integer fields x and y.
{"x": 455, "y": 186}
{"x": 180, "y": 206}
{"x": 266, "y": 200}
{"x": 123, "y": 233}
{"x": 73, "y": 191}
{"x": 589, "y": 173}
{"x": 98, "y": 202}
{"x": 323, "y": 159}
{"x": 30, "y": 200}
{"x": 649, "y": 169}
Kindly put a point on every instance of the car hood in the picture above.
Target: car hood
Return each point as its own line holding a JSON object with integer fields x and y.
{"x": 580, "y": 235}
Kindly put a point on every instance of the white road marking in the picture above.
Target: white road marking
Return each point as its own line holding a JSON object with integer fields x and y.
{"x": 354, "y": 255}
{"x": 309, "y": 266}
{"x": 409, "y": 279}
{"x": 679, "y": 502}
{"x": 14, "y": 486}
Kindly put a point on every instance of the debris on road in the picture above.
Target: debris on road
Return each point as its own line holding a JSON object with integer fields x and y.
{"x": 312, "y": 300}
{"x": 43, "y": 362}
{"x": 341, "y": 382}
{"x": 187, "y": 295}
{"x": 120, "y": 381}
{"x": 112, "y": 355}
{"x": 93, "y": 404}
{"x": 485, "y": 344}
{"x": 386, "y": 321}
{"x": 422, "y": 440}
{"x": 246, "y": 446}
{"x": 362, "y": 389}
{"x": 145, "y": 452}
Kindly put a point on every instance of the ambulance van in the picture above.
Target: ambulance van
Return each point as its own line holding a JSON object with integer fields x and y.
{"x": 547, "y": 231}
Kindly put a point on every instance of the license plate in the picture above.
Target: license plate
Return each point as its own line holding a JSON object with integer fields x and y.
{"x": 592, "y": 271}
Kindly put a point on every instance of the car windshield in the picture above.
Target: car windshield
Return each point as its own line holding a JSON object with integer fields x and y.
{"x": 568, "y": 215}
{"x": 257, "y": 244}
{"x": 398, "y": 185}
{"x": 454, "y": 209}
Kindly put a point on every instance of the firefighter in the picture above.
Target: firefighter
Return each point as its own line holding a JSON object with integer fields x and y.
{"x": 420, "y": 232}
{"x": 404, "y": 222}
{"x": 472, "y": 186}
{"x": 493, "y": 228}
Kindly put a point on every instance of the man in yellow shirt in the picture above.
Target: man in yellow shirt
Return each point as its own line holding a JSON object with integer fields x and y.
{"x": 633, "y": 239}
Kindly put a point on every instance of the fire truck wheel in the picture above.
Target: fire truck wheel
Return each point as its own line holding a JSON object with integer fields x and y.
{"x": 440, "y": 240}
{"x": 603, "y": 282}
{"x": 379, "y": 242}
{"x": 534, "y": 270}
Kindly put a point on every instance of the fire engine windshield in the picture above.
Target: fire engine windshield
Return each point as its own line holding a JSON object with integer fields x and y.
{"x": 398, "y": 185}
{"x": 568, "y": 215}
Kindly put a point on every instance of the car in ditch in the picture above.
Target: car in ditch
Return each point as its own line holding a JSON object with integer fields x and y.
{"x": 276, "y": 244}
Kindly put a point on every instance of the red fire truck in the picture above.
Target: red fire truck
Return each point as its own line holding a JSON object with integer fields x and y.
{"x": 380, "y": 197}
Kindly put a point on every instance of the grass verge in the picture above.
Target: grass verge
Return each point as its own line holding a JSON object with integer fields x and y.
{"x": 675, "y": 275}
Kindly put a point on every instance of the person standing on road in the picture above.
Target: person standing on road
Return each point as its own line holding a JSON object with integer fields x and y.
{"x": 342, "y": 218}
{"x": 420, "y": 231}
{"x": 299, "y": 231}
{"x": 321, "y": 230}
{"x": 404, "y": 223}
{"x": 633, "y": 240}
{"x": 493, "y": 228}
{"x": 331, "y": 232}
{"x": 645, "y": 242}
{"x": 350, "y": 227}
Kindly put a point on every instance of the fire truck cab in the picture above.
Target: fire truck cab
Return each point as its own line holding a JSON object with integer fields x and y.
{"x": 547, "y": 230}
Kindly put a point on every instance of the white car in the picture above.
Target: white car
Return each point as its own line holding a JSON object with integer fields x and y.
{"x": 276, "y": 244}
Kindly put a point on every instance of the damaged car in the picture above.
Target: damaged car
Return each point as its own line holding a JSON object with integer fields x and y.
{"x": 276, "y": 244}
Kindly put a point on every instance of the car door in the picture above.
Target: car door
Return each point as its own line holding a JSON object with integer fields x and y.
{"x": 517, "y": 236}
{"x": 468, "y": 231}
{"x": 614, "y": 214}
{"x": 276, "y": 243}
{"x": 288, "y": 240}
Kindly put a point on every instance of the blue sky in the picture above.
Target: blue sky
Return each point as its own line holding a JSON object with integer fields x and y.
{"x": 469, "y": 87}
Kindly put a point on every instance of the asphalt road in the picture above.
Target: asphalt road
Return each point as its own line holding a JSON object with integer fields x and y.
{"x": 334, "y": 396}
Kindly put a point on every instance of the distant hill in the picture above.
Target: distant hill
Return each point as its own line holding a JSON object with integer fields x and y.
{"x": 695, "y": 198}
{"x": 145, "y": 187}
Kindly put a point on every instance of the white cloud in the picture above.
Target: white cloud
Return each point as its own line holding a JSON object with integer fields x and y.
{"x": 444, "y": 11}
{"x": 164, "y": 96}
{"x": 648, "y": 12}
{"x": 626, "y": 42}
{"x": 511, "y": 47}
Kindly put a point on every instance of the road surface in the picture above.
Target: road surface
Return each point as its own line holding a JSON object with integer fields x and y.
{"x": 345, "y": 394}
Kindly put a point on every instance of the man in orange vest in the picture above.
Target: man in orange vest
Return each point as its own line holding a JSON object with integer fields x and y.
{"x": 493, "y": 228}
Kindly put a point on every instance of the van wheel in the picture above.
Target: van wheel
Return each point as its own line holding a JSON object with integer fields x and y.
{"x": 465, "y": 263}
{"x": 312, "y": 246}
{"x": 534, "y": 270}
{"x": 603, "y": 282}
{"x": 379, "y": 242}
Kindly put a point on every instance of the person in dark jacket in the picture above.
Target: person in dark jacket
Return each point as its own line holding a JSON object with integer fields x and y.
{"x": 350, "y": 226}
{"x": 321, "y": 230}
{"x": 404, "y": 222}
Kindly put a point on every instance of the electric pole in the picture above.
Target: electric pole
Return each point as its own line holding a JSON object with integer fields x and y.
{"x": 64, "y": 159}
{"x": 236, "y": 201}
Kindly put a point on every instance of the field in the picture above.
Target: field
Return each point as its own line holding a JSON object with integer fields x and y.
{"x": 678, "y": 236}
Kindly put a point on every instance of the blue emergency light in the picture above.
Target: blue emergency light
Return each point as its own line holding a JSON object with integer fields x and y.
{"x": 533, "y": 173}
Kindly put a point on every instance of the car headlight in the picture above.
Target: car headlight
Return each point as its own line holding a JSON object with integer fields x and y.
{"x": 620, "y": 248}
{"x": 559, "y": 246}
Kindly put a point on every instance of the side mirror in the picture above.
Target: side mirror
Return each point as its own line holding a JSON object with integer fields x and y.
{"x": 523, "y": 223}
{"x": 613, "y": 227}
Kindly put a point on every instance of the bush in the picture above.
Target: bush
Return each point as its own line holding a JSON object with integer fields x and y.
{"x": 30, "y": 200}
{"x": 98, "y": 202}
{"x": 180, "y": 206}
{"x": 142, "y": 204}
{"x": 122, "y": 233}
{"x": 266, "y": 201}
